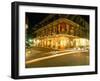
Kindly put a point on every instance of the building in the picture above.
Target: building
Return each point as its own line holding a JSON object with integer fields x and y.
{"x": 62, "y": 33}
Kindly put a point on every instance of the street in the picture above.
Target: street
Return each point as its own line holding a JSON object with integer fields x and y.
{"x": 39, "y": 57}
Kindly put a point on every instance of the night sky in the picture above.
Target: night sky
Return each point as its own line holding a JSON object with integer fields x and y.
{"x": 36, "y": 18}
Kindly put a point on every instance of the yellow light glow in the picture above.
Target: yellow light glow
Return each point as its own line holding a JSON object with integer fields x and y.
{"x": 61, "y": 42}
{"x": 82, "y": 42}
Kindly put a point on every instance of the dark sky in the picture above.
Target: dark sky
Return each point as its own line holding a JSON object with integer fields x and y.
{"x": 36, "y": 18}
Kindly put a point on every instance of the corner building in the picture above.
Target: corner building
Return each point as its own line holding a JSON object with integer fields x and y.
{"x": 61, "y": 34}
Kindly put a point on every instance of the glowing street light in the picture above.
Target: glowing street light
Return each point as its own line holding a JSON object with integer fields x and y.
{"x": 30, "y": 40}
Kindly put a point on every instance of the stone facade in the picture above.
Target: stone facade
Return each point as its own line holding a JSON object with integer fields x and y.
{"x": 61, "y": 34}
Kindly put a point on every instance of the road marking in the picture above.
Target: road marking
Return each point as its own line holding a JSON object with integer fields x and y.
{"x": 52, "y": 56}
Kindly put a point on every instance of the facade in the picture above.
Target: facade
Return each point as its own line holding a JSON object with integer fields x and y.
{"x": 61, "y": 34}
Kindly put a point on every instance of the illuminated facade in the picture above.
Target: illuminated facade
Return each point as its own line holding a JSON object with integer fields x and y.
{"x": 61, "y": 34}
